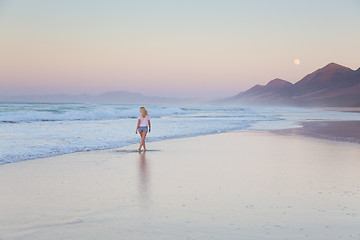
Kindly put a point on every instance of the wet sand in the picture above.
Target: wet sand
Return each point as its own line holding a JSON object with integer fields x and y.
{"x": 241, "y": 185}
{"x": 343, "y": 131}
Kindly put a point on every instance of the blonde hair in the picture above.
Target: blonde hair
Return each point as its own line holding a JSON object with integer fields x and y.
{"x": 144, "y": 113}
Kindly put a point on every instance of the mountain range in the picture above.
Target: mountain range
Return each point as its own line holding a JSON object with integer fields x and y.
{"x": 332, "y": 86}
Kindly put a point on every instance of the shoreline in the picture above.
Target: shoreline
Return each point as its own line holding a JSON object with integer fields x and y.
{"x": 338, "y": 131}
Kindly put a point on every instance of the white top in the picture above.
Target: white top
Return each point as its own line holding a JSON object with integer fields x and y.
{"x": 144, "y": 121}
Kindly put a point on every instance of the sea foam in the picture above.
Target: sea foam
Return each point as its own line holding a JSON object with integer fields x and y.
{"x": 30, "y": 131}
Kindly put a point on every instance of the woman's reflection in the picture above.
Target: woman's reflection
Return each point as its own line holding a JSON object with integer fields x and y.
{"x": 143, "y": 178}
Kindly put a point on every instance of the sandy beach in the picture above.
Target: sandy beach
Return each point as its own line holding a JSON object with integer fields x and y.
{"x": 254, "y": 185}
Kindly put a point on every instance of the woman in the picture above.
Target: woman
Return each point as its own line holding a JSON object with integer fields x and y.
{"x": 143, "y": 126}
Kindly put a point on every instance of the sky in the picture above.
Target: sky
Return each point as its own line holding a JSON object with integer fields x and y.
{"x": 170, "y": 48}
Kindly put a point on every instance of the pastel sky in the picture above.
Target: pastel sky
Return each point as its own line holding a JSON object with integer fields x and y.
{"x": 182, "y": 48}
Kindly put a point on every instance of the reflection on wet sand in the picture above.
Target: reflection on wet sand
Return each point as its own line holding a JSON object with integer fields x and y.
{"x": 144, "y": 179}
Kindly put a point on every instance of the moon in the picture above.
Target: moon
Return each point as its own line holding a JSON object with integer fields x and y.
{"x": 296, "y": 61}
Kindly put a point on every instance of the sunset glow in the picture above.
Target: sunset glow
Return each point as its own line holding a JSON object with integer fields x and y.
{"x": 169, "y": 48}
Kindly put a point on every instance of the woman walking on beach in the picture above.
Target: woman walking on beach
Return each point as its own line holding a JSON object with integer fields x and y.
{"x": 143, "y": 126}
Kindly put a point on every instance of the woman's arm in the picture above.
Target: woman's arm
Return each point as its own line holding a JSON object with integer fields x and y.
{"x": 137, "y": 127}
{"x": 149, "y": 126}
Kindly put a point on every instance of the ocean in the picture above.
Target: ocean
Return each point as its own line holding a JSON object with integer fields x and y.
{"x": 36, "y": 130}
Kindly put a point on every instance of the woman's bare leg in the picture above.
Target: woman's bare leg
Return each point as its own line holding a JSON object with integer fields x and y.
{"x": 143, "y": 140}
{"x": 141, "y": 135}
